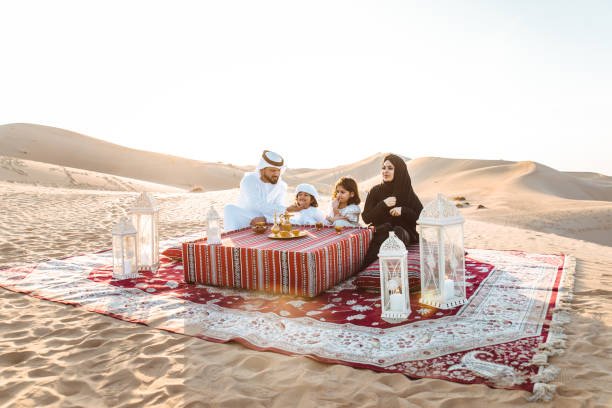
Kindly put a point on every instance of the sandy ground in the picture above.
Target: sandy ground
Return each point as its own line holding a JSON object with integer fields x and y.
{"x": 57, "y": 355}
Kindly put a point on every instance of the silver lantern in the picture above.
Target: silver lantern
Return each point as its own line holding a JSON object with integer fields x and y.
{"x": 442, "y": 254}
{"x": 145, "y": 216}
{"x": 394, "y": 291}
{"x": 125, "y": 265}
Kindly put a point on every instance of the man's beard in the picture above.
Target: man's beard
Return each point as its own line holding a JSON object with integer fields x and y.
{"x": 271, "y": 180}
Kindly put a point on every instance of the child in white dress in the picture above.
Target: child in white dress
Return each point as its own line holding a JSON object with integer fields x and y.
{"x": 306, "y": 197}
{"x": 345, "y": 209}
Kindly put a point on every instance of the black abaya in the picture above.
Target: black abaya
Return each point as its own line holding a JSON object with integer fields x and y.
{"x": 376, "y": 212}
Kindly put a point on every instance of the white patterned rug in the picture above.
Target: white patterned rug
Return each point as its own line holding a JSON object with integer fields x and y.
{"x": 502, "y": 337}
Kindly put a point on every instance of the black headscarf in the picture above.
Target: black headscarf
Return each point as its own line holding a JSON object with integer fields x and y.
{"x": 401, "y": 185}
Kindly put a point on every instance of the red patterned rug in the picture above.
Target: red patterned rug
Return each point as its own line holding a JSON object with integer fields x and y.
{"x": 502, "y": 337}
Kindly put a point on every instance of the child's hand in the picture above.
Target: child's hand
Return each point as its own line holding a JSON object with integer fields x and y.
{"x": 331, "y": 220}
{"x": 335, "y": 203}
{"x": 293, "y": 208}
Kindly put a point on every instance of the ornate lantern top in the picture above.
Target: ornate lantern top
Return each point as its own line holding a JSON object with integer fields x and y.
{"x": 124, "y": 227}
{"x": 212, "y": 214}
{"x": 144, "y": 203}
{"x": 393, "y": 246}
{"x": 440, "y": 212}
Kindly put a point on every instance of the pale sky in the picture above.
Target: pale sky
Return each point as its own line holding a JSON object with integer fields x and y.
{"x": 321, "y": 82}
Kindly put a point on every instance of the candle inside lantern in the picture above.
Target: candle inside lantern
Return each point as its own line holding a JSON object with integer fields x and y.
{"x": 396, "y": 301}
{"x": 449, "y": 289}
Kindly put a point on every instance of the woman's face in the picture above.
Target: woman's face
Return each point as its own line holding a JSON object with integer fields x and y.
{"x": 303, "y": 199}
{"x": 343, "y": 195}
{"x": 387, "y": 171}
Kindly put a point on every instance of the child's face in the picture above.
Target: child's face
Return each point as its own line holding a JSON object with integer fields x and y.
{"x": 343, "y": 195}
{"x": 304, "y": 200}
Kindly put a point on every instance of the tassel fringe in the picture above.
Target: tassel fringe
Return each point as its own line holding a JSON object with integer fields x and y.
{"x": 546, "y": 375}
{"x": 542, "y": 392}
{"x": 540, "y": 359}
{"x": 556, "y": 341}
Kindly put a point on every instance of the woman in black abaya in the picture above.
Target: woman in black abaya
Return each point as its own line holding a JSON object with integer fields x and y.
{"x": 392, "y": 206}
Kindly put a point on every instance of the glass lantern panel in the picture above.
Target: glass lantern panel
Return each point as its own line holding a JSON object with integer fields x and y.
{"x": 393, "y": 275}
{"x": 155, "y": 232}
{"x": 144, "y": 226}
{"x": 212, "y": 223}
{"x": 129, "y": 259}
{"x": 117, "y": 254}
{"x": 455, "y": 257}
{"x": 430, "y": 279}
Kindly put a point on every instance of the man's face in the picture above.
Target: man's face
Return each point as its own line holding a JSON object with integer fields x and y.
{"x": 269, "y": 175}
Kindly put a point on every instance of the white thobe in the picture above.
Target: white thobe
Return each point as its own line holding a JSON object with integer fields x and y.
{"x": 257, "y": 199}
{"x": 309, "y": 216}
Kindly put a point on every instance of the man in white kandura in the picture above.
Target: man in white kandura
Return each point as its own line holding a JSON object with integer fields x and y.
{"x": 262, "y": 193}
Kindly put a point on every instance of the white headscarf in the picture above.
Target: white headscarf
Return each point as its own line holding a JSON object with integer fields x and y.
{"x": 271, "y": 159}
{"x": 307, "y": 188}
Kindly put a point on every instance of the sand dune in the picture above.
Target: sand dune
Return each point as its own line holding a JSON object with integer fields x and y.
{"x": 488, "y": 177}
{"x": 525, "y": 194}
{"x": 576, "y": 204}
{"x": 324, "y": 179}
{"x": 65, "y": 148}
{"x": 14, "y": 170}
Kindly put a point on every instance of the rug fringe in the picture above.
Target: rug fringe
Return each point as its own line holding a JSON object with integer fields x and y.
{"x": 542, "y": 392}
{"x": 546, "y": 375}
{"x": 552, "y": 348}
{"x": 556, "y": 340}
{"x": 539, "y": 359}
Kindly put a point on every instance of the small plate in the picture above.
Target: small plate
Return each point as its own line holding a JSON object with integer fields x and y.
{"x": 300, "y": 235}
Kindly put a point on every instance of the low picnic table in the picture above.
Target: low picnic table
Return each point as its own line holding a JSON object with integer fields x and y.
{"x": 303, "y": 266}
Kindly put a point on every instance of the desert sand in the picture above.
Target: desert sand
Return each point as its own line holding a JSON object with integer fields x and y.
{"x": 57, "y": 355}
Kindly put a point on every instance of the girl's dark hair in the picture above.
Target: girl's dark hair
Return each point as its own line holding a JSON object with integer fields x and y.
{"x": 313, "y": 200}
{"x": 349, "y": 185}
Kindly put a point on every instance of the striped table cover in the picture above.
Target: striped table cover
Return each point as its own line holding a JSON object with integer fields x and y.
{"x": 301, "y": 266}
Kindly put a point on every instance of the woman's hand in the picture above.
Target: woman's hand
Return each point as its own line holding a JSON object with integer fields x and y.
{"x": 390, "y": 201}
{"x": 396, "y": 211}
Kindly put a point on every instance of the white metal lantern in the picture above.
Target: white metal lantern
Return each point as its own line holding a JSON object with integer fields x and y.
{"x": 442, "y": 254}
{"x": 394, "y": 291}
{"x": 145, "y": 216}
{"x": 213, "y": 232}
{"x": 125, "y": 265}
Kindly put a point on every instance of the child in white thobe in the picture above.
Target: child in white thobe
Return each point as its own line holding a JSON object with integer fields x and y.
{"x": 306, "y": 197}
